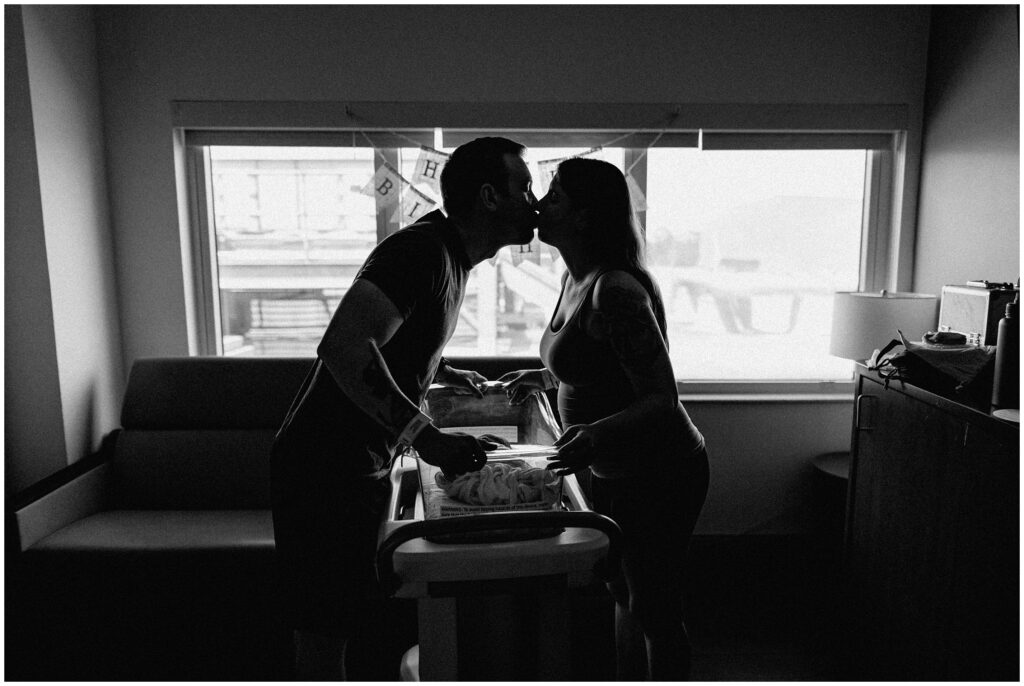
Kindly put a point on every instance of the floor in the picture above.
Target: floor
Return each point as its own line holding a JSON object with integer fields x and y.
{"x": 758, "y": 609}
{"x": 766, "y": 610}
{"x": 786, "y": 656}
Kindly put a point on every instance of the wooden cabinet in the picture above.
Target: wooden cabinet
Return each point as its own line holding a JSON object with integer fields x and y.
{"x": 932, "y": 537}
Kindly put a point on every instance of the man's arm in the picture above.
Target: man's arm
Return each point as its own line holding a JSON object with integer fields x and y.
{"x": 365, "y": 321}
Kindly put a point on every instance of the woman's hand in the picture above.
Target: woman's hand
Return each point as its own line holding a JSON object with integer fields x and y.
{"x": 519, "y": 385}
{"x": 576, "y": 449}
{"x": 462, "y": 381}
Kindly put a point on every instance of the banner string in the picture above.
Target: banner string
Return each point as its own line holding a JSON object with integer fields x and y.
{"x": 407, "y": 184}
{"x": 644, "y": 153}
{"x": 665, "y": 125}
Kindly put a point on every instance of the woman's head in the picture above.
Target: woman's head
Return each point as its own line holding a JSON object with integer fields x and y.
{"x": 588, "y": 209}
{"x": 591, "y": 196}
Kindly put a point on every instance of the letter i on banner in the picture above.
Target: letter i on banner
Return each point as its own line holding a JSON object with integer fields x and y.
{"x": 428, "y": 168}
{"x": 386, "y": 185}
{"x": 413, "y": 206}
{"x": 636, "y": 195}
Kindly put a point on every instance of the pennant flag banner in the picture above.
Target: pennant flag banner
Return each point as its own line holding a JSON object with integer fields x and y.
{"x": 523, "y": 252}
{"x": 546, "y": 168}
{"x": 428, "y": 168}
{"x": 386, "y": 185}
{"x": 636, "y": 196}
{"x": 545, "y": 172}
{"x": 413, "y": 206}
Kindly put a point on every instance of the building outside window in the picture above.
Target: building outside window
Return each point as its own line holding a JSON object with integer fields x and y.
{"x": 747, "y": 246}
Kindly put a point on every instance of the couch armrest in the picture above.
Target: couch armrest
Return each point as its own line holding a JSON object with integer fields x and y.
{"x": 81, "y": 496}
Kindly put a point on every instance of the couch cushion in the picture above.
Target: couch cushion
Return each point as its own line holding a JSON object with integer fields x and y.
{"x": 191, "y": 470}
{"x": 211, "y": 392}
{"x": 167, "y": 531}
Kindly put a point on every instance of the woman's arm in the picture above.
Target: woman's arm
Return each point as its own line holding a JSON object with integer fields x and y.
{"x": 623, "y": 315}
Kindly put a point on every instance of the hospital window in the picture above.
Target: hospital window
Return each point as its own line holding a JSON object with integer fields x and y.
{"x": 747, "y": 236}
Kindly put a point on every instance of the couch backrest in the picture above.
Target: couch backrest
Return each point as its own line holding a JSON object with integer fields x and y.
{"x": 196, "y": 431}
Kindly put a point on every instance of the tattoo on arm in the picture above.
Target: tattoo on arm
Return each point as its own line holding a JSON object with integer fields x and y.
{"x": 631, "y": 330}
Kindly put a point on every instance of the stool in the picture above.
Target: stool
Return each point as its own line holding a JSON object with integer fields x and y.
{"x": 410, "y": 668}
{"x": 836, "y": 465}
{"x": 833, "y": 472}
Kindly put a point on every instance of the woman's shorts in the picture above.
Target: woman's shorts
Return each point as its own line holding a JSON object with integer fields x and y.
{"x": 657, "y": 514}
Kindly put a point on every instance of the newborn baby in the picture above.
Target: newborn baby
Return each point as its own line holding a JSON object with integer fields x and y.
{"x": 500, "y": 483}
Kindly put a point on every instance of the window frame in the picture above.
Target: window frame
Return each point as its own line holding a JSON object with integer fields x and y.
{"x": 883, "y": 128}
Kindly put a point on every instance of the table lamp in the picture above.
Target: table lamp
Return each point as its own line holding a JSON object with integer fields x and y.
{"x": 864, "y": 322}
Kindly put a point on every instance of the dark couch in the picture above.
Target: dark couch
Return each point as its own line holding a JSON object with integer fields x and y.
{"x": 154, "y": 559}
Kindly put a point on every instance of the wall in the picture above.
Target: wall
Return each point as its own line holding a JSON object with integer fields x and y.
{"x": 33, "y": 425}
{"x": 969, "y": 225}
{"x": 151, "y": 56}
{"x": 63, "y": 90}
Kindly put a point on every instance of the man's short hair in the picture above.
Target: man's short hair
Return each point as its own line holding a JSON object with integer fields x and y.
{"x": 470, "y": 166}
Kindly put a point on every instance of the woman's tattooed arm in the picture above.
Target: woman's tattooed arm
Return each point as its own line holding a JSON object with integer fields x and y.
{"x": 624, "y": 317}
{"x": 628, "y": 324}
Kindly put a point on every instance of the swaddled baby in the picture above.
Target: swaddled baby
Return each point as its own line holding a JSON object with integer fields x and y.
{"x": 500, "y": 483}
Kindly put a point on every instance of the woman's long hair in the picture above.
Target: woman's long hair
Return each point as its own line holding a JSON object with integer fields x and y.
{"x": 615, "y": 239}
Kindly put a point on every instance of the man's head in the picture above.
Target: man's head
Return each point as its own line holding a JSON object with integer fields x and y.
{"x": 489, "y": 176}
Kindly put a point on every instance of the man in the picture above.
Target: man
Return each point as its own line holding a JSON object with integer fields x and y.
{"x": 359, "y": 404}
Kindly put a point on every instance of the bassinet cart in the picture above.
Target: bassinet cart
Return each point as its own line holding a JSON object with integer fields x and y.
{"x": 491, "y": 583}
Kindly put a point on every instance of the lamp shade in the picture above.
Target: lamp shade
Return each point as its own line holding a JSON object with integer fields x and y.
{"x": 863, "y": 322}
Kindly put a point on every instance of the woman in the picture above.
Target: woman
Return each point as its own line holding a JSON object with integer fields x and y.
{"x": 606, "y": 350}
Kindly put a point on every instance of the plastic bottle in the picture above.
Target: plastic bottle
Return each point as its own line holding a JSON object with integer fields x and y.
{"x": 1006, "y": 380}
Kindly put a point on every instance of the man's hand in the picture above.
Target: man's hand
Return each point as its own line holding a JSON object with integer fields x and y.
{"x": 455, "y": 453}
{"x": 463, "y": 381}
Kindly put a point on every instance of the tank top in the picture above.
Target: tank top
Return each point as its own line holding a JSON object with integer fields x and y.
{"x": 593, "y": 385}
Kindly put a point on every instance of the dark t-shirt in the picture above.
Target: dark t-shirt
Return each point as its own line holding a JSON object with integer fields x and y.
{"x": 422, "y": 269}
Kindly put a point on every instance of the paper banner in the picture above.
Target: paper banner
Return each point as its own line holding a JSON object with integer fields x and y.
{"x": 386, "y": 185}
{"x": 523, "y": 252}
{"x": 545, "y": 172}
{"x": 636, "y": 196}
{"x": 546, "y": 169}
{"x": 428, "y": 168}
{"x": 413, "y": 206}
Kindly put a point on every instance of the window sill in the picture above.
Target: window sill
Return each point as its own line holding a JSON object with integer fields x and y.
{"x": 761, "y": 398}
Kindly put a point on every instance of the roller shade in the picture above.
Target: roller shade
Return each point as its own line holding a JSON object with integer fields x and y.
{"x": 578, "y": 138}
{"x": 728, "y": 140}
{"x": 329, "y": 139}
